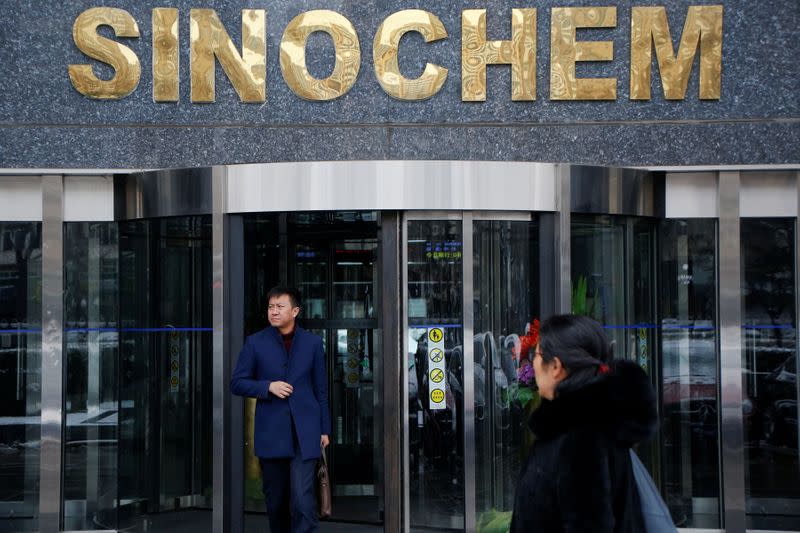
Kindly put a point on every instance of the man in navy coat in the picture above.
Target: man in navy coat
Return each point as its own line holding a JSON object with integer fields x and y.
{"x": 283, "y": 367}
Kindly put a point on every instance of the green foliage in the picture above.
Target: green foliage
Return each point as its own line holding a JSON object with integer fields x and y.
{"x": 579, "y": 296}
{"x": 522, "y": 394}
{"x": 253, "y": 490}
{"x": 581, "y": 303}
{"x": 494, "y": 521}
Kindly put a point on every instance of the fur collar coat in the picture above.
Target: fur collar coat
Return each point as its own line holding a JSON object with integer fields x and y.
{"x": 578, "y": 477}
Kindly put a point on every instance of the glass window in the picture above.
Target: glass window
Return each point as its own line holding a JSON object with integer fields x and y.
{"x": 613, "y": 281}
{"x": 770, "y": 373}
{"x": 689, "y": 360}
{"x": 165, "y": 374}
{"x": 91, "y": 338}
{"x": 598, "y": 273}
{"x": 20, "y": 373}
{"x": 435, "y": 373}
{"x": 353, "y": 278}
{"x": 508, "y": 302}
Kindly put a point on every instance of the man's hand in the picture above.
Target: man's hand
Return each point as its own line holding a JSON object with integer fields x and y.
{"x": 324, "y": 441}
{"x": 281, "y": 389}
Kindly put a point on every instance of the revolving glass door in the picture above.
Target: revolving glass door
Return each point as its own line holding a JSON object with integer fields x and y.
{"x": 332, "y": 258}
{"x": 473, "y": 276}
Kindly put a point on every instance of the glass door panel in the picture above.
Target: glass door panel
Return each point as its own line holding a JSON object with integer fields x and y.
{"x": 689, "y": 384}
{"x": 769, "y": 335}
{"x": 505, "y": 274}
{"x": 332, "y": 258}
{"x": 91, "y": 349}
{"x": 435, "y": 388}
{"x": 598, "y": 274}
{"x": 165, "y": 456}
{"x": 20, "y": 374}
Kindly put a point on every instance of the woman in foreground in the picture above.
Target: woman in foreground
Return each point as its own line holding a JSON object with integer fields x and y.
{"x": 578, "y": 477}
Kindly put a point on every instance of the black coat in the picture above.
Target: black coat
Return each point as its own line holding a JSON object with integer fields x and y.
{"x": 578, "y": 477}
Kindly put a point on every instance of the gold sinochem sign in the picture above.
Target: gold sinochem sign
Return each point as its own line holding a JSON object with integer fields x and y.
{"x": 385, "y": 53}
{"x": 703, "y": 24}
{"x": 293, "y": 55}
{"x": 127, "y": 69}
{"x": 247, "y": 71}
{"x": 477, "y": 52}
{"x": 565, "y": 51}
{"x": 166, "y": 60}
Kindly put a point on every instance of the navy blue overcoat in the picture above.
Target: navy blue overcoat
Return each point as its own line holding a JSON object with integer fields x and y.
{"x": 263, "y": 359}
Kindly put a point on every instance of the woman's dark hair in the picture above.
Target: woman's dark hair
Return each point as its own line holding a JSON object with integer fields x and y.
{"x": 291, "y": 292}
{"x": 579, "y": 343}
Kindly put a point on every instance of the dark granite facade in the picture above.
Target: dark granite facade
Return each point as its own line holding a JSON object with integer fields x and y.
{"x": 45, "y": 122}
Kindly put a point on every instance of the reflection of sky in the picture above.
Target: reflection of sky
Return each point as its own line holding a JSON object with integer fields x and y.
{"x": 683, "y": 357}
{"x": 105, "y": 416}
{"x": 693, "y": 353}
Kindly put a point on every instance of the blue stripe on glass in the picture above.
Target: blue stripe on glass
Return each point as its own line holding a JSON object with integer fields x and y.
{"x": 34, "y": 330}
{"x": 136, "y": 330}
{"x": 162, "y": 330}
{"x": 768, "y": 326}
{"x": 632, "y": 326}
{"x": 687, "y": 326}
{"x": 443, "y": 326}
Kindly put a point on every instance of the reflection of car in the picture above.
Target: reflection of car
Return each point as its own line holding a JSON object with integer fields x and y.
{"x": 780, "y": 404}
{"x": 689, "y": 377}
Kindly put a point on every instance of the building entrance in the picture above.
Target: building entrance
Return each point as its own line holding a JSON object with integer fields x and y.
{"x": 332, "y": 257}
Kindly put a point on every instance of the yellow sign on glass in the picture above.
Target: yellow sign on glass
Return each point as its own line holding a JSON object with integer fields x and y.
{"x": 437, "y": 395}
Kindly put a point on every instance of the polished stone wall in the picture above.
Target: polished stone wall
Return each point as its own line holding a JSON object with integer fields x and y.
{"x": 45, "y": 122}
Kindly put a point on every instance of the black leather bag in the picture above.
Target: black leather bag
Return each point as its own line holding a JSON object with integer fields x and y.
{"x": 323, "y": 482}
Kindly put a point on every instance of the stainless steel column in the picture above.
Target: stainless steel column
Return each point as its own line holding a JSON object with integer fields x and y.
{"x": 406, "y": 474}
{"x": 52, "y": 353}
{"x": 797, "y": 299}
{"x": 469, "y": 374}
{"x": 392, "y": 362}
{"x": 730, "y": 317}
{"x": 221, "y": 513}
{"x": 562, "y": 258}
{"x": 234, "y": 320}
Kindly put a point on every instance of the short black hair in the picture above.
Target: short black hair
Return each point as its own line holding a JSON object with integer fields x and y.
{"x": 291, "y": 292}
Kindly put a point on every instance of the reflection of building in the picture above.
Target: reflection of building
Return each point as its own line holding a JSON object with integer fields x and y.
{"x": 398, "y": 206}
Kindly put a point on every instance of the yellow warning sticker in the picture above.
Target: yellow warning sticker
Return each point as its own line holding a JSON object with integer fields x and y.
{"x": 437, "y": 375}
{"x": 435, "y": 334}
{"x": 436, "y": 355}
{"x": 437, "y": 395}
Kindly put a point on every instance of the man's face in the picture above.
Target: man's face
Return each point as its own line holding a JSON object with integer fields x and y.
{"x": 280, "y": 313}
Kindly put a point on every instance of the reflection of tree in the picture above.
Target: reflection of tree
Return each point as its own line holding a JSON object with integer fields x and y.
{"x": 19, "y": 243}
{"x": 769, "y": 279}
{"x": 24, "y": 239}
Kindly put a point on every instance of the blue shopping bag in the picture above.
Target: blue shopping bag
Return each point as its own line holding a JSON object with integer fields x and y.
{"x": 654, "y": 511}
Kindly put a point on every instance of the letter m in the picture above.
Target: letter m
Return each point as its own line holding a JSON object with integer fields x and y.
{"x": 649, "y": 29}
